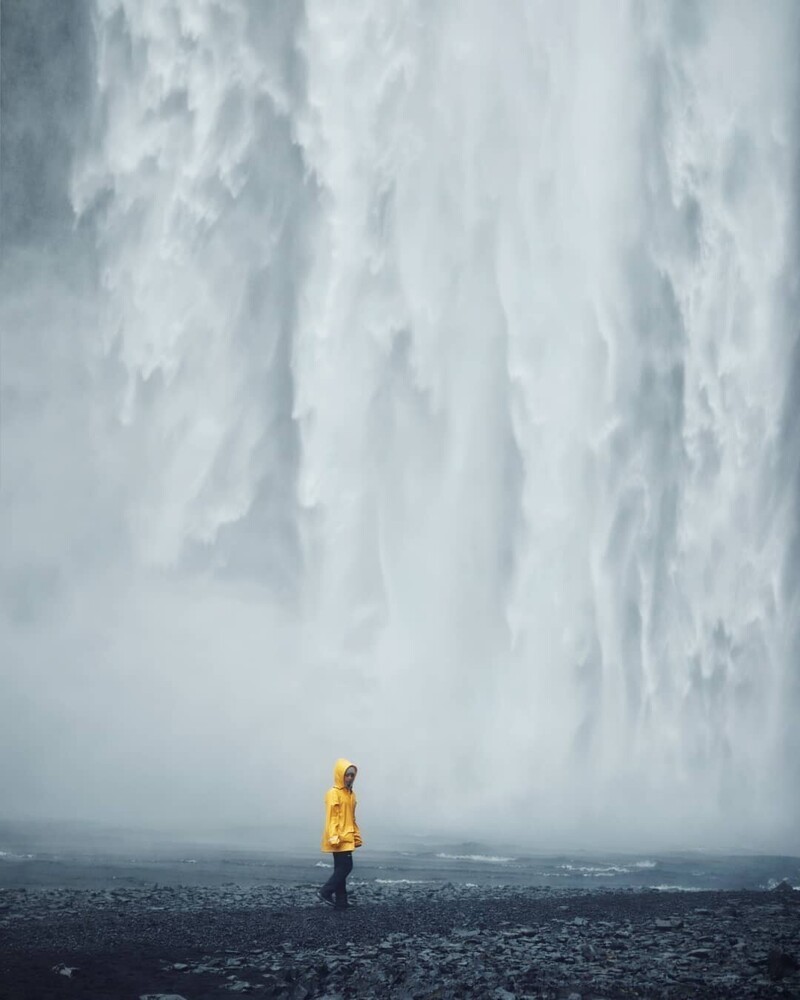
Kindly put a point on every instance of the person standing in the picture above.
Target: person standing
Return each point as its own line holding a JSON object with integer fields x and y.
{"x": 341, "y": 835}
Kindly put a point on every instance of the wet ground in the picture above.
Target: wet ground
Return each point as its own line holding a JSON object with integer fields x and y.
{"x": 398, "y": 941}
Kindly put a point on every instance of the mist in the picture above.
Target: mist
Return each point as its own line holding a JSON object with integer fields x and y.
{"x": 409, "y": 383}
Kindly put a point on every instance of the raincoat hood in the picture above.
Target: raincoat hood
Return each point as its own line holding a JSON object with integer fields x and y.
{"x": 339, "y": 768}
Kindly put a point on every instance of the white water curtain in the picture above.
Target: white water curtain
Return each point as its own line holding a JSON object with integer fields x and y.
{"x": 440, "y": 385}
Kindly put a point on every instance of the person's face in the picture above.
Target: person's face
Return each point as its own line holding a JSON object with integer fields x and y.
{"x": 349, "y": 777}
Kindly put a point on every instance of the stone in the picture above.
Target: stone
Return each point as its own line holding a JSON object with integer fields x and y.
{"x": 65, "y": 970}
{"x": 400, "y": 944}
{"x": 779, "y": 964}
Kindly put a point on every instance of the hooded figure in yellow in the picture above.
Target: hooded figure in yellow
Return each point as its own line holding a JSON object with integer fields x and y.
{"x": 341, "y": 835}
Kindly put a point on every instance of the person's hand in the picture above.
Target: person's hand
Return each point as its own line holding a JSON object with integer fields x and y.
{"x": 357, "y": 841}
{"x": 334, "y": 840}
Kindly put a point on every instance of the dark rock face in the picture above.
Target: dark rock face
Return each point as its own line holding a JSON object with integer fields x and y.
{"x": 398, "y": 942}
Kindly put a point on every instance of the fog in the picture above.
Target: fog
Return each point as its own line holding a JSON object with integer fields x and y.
{"x": 412, "y": 383}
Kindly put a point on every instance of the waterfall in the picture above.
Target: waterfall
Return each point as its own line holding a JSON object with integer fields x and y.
{"x": 435, "y": 376}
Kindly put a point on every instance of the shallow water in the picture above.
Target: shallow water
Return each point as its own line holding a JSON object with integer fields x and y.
{"x": 36, "y": 856}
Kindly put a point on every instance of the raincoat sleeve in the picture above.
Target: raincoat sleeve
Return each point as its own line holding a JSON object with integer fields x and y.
{"x": 333, "y": 818}
{"x": 356, "y": 831}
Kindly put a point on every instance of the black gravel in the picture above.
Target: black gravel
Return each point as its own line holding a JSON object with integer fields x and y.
{"x": 399, "y": 942}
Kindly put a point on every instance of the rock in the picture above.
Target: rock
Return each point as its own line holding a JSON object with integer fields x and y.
{"x": 65, "y": 970}
{"x": 779, "y": 964}
{"x": 783, "y": 887}
{"x": 518, "y": 942}
{"x": 161, "y": 996}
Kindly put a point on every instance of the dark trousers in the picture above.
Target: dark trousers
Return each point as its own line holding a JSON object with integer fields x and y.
{"x": 336, "y": 885}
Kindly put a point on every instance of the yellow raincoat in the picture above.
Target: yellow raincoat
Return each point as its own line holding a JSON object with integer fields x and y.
{"x": 341, "y": 831}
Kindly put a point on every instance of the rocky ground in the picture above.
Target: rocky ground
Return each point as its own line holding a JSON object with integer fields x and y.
{"x": 399, "y": 941}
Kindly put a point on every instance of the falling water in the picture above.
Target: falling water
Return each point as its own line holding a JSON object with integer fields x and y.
{"x": 435, "y": 406}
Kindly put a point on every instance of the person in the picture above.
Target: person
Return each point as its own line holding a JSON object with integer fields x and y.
{"x": 341, "y": 835}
